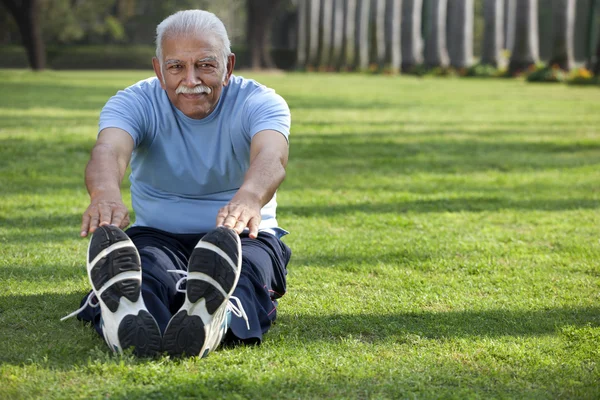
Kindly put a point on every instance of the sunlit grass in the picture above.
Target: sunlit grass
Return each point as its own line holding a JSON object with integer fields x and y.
{"x": 444, "y": 231}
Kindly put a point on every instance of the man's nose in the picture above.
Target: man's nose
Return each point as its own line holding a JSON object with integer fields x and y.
{"x": 192, "y": 78}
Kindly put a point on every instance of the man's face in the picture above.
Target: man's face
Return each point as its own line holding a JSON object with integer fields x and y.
{"x": 193, "y": 73}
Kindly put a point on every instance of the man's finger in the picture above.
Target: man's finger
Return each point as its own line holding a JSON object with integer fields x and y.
{"x": 117, "y": 217}
{"x": 230, "y": 221}
{"x": 105, "y": 215}
{"x": 253, "y": 225}
{"x": 221, "y": 215}
{"x": 239, "y": 226}
{"x": 93, "y": 223}
{"x": 124, "y": 222}
{"x": 232, "y": 218}
{"x": 242, "y": 221}
{"x": 85, "y": 225}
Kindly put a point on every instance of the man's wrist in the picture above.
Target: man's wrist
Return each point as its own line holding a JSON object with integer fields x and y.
{"x": 247, "y": 196}
{"x": 105, "y": 193}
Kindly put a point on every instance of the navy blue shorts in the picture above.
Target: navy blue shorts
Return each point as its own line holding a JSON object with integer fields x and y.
{"x": 262, "y": 279}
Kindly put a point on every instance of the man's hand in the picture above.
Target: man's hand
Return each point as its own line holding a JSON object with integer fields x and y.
{"x": 239, "y": 213}
{"x": 268, "y": 158}
{"x": 103, "y": 176}
{"x": 104, "y": 212}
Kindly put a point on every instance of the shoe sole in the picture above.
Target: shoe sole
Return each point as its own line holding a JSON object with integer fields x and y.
{"x": 110, "y": 255}
{"x": 212, "y": 279}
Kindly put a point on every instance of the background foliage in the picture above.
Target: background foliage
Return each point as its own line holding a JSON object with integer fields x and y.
{"x": 127, "y": 23}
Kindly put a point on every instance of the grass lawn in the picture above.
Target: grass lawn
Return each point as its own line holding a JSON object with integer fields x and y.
{"x": 445, "y": 236}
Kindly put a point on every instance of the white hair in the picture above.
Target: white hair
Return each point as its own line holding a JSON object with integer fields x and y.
{"x": 194, "y": 22}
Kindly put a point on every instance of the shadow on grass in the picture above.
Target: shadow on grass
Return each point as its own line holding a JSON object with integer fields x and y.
{"x": 38, "y": 229}
{"x": 468, "y": 204}
{"x": 43, "y": 166}
{"x": 385, "y": 154}
{"x": 411, "y": 128}
{"x": 444, "y": 378}
{"x": 38, "y": 122}
{"x": 31, "y": 329}
{"x": 409, "y": 327}
{"x": 42, "y": 94}
{"x": 320, "y": 161}
{"x": 345, "y": 103}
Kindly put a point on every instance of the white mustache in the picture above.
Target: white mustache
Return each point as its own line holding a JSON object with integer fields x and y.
{"x": 195, "y": 90}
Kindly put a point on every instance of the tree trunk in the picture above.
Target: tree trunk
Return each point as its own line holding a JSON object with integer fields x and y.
{"x": 436, "y": 53}
{"x": 597, "y": 66}
{"x": 510, "y": 15}
{"x": 350, "y": 43}
{"x": 380, "y": 36}
{"x": 326, "y": 38}
{"x": 301, "y": 45}
{"x": 493, "y": 15}
{"x": 362, "y": 36}
{"x": 26, "y": 14}
{"x": 260, "y": 16}
{"x": 525, "y": 51}
{"x": 313, "y": 42}
{"x": 563, "y": 33}
{"x": 589, "y": 46}
{"x": 338, "y": 34}
{"x": 460, "y": 42}
{"x": 393, "y": 33}
{"x": 412, "y": 41}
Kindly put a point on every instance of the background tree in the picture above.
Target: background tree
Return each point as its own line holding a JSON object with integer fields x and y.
{"x": 412, "y": 42}
{"x": 260, "y": 14}
{"x": 591, "y": 57}
{"x": 563, "y": 33}
{"x": 510, "y": 13}
{"x": 302, "y": 34}
{"x": 394, "y": 35}
{"x": 493, "y": 12}
{"x": 596, "y": 68}
{"x": 460, "y": 33}
{"x": 326, "y": 35}
{"x": 362, "y": 33}
{"x": 313, "y": 32}
{"x": 380, "y": 34}
{"x": 27, "y": 16}
{"x": 525, "y": 52}
{"x": 349, "y": 32}
{"x": 338, "y": 34}
{"x": 436, "y": 53}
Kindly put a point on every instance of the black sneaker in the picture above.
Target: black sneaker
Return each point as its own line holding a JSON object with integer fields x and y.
{"x": 115, "y": 272}
{"x": 213, "y": 273}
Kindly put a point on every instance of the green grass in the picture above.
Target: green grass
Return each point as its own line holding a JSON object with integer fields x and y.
{"x": 445, "y": 238}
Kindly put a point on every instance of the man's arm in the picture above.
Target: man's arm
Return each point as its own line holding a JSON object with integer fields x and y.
{"x": 268, "y": 159}
{"x": 103, "y": 175}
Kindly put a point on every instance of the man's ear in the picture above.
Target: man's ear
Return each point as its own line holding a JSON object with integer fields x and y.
{"x": 158, "y": 72}
{"x": 230, "y": 66}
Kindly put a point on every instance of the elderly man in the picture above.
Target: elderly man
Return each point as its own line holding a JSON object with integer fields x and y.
{"x": 208, "y": 151}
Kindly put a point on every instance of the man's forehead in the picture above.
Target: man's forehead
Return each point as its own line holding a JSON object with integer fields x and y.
{"x": 202, "y": 46}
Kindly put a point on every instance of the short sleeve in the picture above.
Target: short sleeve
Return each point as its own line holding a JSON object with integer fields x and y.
{"x": 127, "y": 110}
{"x": 266, "y": 110}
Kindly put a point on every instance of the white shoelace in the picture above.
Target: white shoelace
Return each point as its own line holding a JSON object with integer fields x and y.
{"x": 88, "y": 302}
{"x": 236, "y": 309}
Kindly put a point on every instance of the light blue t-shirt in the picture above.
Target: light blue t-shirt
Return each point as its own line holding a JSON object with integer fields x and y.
{"x": 184, "y": 170}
